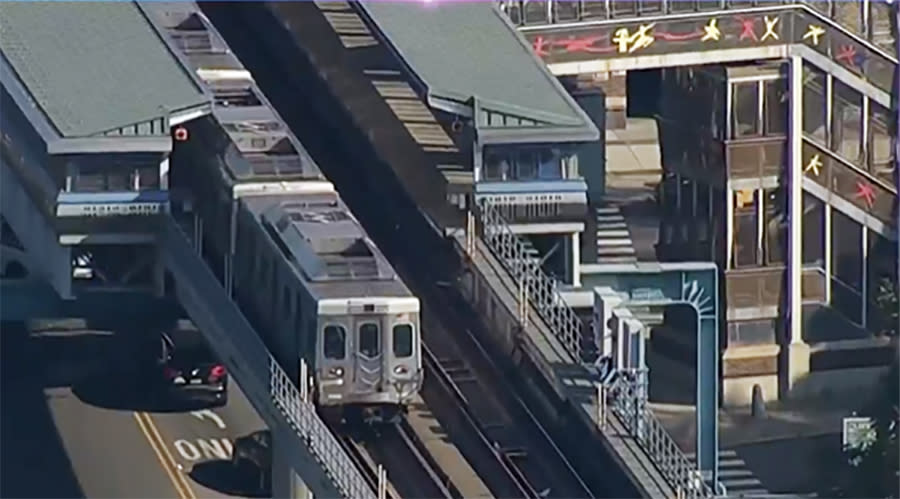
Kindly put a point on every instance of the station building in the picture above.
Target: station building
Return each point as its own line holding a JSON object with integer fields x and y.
{"x": 778, "y": 155}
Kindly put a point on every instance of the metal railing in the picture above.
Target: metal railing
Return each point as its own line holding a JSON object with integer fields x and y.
{"x": 269, "y": 389}
{"x": 626, "y": 397}
{"x": 301, "y": 415}
{"x": 539, "y": 288}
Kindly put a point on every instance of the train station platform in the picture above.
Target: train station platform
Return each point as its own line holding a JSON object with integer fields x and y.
{"x": 91, "y": 94}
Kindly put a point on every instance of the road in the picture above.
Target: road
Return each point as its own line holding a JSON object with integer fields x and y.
{"x": 73, "y": 427}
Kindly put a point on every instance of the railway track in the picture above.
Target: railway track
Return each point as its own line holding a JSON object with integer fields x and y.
{"x": 492, "y": 426}
{"x": 394, "y": 448}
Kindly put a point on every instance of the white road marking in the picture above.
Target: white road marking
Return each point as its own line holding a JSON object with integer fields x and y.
{"x": 208, "y": 413}
{"x": 206, "y": 448}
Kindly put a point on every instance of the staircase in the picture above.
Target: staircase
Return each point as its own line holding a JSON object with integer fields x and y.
{"x": 614, "y": 243}
{"x": 738, "y": 479}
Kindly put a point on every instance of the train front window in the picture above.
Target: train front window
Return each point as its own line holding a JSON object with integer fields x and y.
{"x": 334, "y": 343}
{"x": 403, "y": 340}
{"x": 369, "y": 340}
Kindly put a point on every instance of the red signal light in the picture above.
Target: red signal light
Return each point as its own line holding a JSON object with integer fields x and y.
{"x": 181, "y": 134}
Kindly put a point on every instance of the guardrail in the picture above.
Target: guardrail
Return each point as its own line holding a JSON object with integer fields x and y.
{"x": 625, "y": 399}
{"x": 626, "y": 396}
{"x": 536, "y": 286}
{"x": 270, "y": 390}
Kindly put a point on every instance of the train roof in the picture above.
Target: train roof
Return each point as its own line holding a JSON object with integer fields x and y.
{"x": 264, "y": 149}
{"x": 326, "y": 245}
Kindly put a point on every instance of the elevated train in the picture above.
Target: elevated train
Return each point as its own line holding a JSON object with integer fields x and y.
{"x": 299, "y": 264}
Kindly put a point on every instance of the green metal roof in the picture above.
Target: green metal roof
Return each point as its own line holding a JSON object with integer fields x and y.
{"x": 94, "y": 67}
{"x": 462, "y": 50}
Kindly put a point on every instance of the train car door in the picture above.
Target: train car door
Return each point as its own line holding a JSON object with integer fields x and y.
{"x": 369, "y": 354}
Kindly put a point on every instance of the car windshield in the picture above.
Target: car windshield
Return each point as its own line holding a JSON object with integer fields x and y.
{"x": 191, "y": 348}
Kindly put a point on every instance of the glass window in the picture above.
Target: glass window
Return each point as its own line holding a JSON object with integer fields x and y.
{"x": 846, "y": 265}
{"x": 496, "y": 166}
{"x": 776, "y": 106}
{"x": 814, "y": 104}
{"x": 526, "y": 165}
{"x": 846, "y": 122}
{"x": 687, "y": 197}
{"x": 849, "y": 15}
{"x": 813, "y": 231}
{"x": 550, "y": 165}
{"x": 746, "y": 220}
{"x": 881, "y": 147}
{"x": 403, "y": 340}
{"x": 745, "y": 109}
{"x": 89, "y": 178}
{"x": 335, "y": 342}
{"x": 776, "y": 227}
{"x": 748, "y": 333}
{"x": 703, "y": 215}
{"x": 881, "y": 281}
{"x": 369, "y": 340}
{"x": 148, "y": 177}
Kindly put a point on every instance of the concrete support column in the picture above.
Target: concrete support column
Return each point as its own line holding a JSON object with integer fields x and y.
{"x": 797, "y": 352}
{"x": 286, "y": 482}
{"x": 576, "y": 259}
{"x": 614, "y": 86}
{"x": 164, "y": 174}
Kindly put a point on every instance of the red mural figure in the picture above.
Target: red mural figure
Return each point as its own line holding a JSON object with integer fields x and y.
{"x": 748, "y": 29}
{"x": 540, "y": 46}
{"x": 866, "y": 192}
{"x": 848, "y": 55}
{"x": 586, "y": 44}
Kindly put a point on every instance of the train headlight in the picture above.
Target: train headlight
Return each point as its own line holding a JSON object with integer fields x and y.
{"x": 337, "y": 372}
{"x": 401, "y": 370}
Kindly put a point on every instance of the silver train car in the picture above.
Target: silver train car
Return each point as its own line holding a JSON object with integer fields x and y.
{"x": 339, "y": 304}
{"x": 299, "y": 264}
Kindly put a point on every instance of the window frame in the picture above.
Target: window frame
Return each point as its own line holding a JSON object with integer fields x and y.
{"x": 757, "y": 109}
{"x": 343, "y": 332}
{"x": 412, "y": 336}
{"x": 377, "y": 336}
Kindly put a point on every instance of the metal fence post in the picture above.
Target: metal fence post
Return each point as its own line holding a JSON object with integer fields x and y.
{"x": 382, "y": 482}
{"x": 304, "y": 381}
{"x": 601, "y": 406}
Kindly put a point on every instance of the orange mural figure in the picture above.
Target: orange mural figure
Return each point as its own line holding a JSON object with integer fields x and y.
{"x": 711, "y": 31}
{"x": 815, "y": 163}
{"x": 771, "y": 23}
{"x": 630, "y": 42}
{"x": 813, "y": 32}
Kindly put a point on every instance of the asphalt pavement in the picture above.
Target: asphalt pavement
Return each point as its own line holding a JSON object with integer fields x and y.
{"x": 74, "y": 426}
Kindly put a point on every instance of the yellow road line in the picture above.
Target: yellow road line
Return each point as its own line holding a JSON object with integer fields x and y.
{"x": 169, "y": 465}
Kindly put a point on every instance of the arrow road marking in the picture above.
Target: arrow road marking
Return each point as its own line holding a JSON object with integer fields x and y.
{"x": 207, "y": 413}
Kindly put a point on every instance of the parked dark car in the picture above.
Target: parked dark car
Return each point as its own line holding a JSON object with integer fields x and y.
{"x": 187, "y": 370}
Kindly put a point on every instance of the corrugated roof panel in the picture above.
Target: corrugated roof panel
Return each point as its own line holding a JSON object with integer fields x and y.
{"x": 94, "y": 66}
{"x": 466, "y": 49}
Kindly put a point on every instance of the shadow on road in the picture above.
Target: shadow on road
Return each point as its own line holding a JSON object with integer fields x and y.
{"x": 33, "y": 459}
{"x": 121, "y": 391}
{"x": 220, "y": 475}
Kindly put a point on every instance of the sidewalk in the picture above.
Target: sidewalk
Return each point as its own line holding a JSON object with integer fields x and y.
{"x": 783, "y": 451}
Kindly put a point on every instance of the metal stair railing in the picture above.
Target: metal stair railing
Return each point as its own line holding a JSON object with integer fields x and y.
{"x": 540, "y": 288}
{"x": 270, "y": 390}
{"x": 627, "y": 404}
{"x": 626, "y": 401}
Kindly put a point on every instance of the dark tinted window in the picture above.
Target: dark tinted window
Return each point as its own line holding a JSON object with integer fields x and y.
{"x": 403, "y": 340}
{"x": 745, "y": 109}
{"x": 746, "y": 242}
{"x": 369, "y": 341}
{"x": 190, "y": 347}
{"x": 335, "y": 342}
